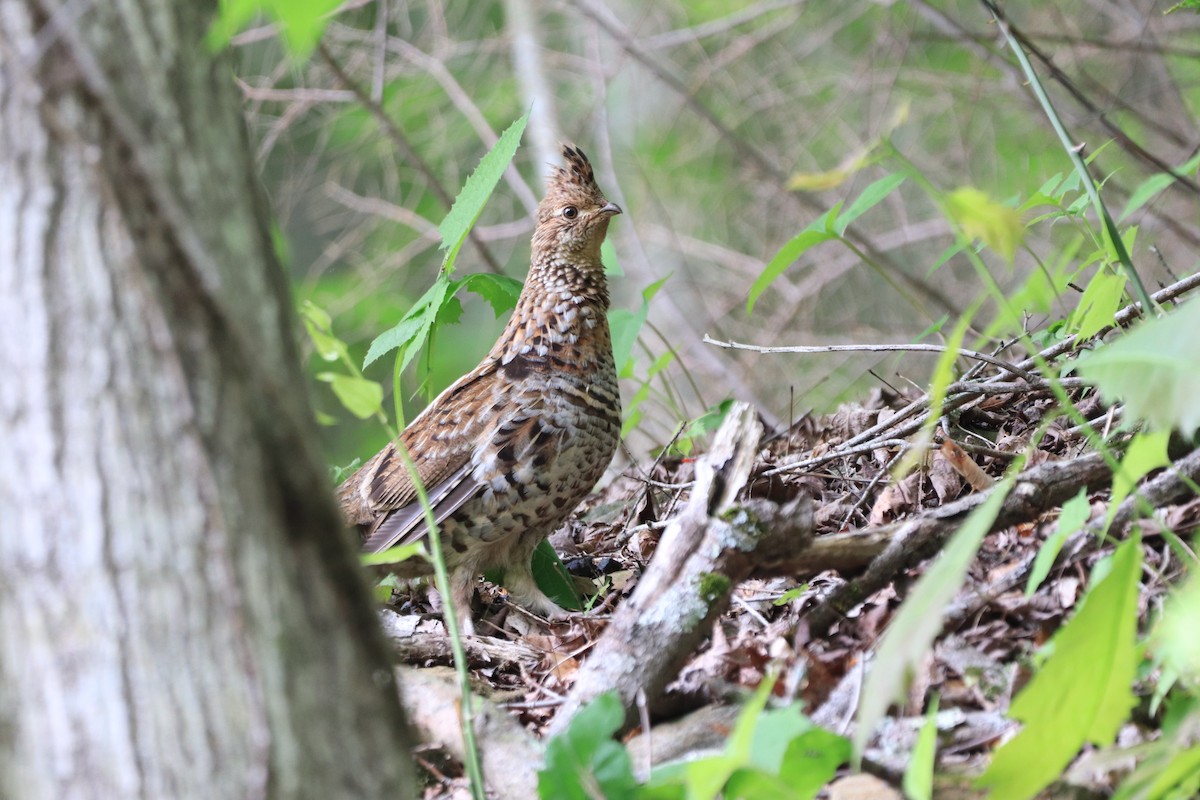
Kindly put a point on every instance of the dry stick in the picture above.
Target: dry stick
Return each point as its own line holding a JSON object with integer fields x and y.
{"x": 875, "y": 348}
{"x": 434, "y": 648}
{"x": 705, "y": 552}
{"x": 908, "y": 543}
{"x": 1168, "y": 487}
{"x": 956, "y": 396}
{"x": 1116, "y": 131}
{"x": 401, "y": 141}
{"x": 511, "y": 757}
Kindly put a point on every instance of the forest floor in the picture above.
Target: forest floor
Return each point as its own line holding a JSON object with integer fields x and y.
{"x": 815, "y": 614}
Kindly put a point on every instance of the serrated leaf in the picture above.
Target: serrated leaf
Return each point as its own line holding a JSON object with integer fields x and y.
{"x": 476, "y": 191}
{"x": 981, "y": 217}
{"x": 1082, "y": 693}
{"x": 1152, "y": 369}
{"x": 919, "y": 619}
{"x": 500, "y": 291}
{"x": 585, "y": 755}
{"x": 410, "y": 333}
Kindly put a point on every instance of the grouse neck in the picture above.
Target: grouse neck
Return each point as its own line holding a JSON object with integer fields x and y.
{"x": 561, "y": 307}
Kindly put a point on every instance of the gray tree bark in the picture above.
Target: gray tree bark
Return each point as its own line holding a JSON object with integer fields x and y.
{"x": 181, "y": 614}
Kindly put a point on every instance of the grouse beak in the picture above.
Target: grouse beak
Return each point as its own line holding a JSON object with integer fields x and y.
{"x": 610, "y": 208}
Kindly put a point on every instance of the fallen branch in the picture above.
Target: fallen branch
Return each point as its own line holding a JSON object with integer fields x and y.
{"x": 511, "y": 756}
{"x": 434, "y": 648}
{"x": 1036, "y": 491}
{"x": 704, "y": 553}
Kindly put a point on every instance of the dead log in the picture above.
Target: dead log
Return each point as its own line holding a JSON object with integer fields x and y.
{"x": 704, "y": 553}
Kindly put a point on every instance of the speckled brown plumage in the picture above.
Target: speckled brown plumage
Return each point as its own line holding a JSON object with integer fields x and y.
{"x": 509, "y": 450}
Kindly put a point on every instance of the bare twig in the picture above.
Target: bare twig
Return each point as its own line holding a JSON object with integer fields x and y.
{"x": 875, "y": 348}
{"x": 401, "y": 142}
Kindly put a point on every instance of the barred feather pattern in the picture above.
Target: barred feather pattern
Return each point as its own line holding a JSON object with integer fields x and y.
{"x": 507, "y": 452}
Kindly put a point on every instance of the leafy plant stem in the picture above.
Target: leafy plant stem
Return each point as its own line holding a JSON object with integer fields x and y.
{"x": 441, "y": 577}
{"x": 1073, "y": 152}
{"x": 687, "y": 373}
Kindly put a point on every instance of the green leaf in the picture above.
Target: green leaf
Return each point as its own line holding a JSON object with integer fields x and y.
{"x": 500, "y": 291}
{"x": 1083, "y": 691}
{"x": 812, "y": 760}
{"x": 819, "y": 230}
{"x": 773, "y": 730}
{"x": 585, "y": 755}
{"x": 707, "y": 776}
{"x": 394, "y": 555}
{"x": 1098, "y": 305}
{"x": 919, "y": 619}
{"x": 943, "y": 376}
{"x": 1170, "y": 772}
{"x": 1152, "y": 369}
{"x": 1075, "y": 513}
{"x": 1150, "y": 187}
{"x": 753, "y": 784}
{"x": 552, "y": 577}
{"x": 871, "y": 196}
{"x": 363, "y": 398}
{"x": 791, "y": 594}
{"x": 1146, "y": 452}
{"x": 608, "y": 257}
{"x": 980, "y": 217}
{"x": 633, "y": 413}
{"x": 701, "y": 426}
{"x": 328, "y": 347}
{"x": 918, "y": 777}
{"x": 626, "y": 325}
{"x": 1175, "y": 639}
{"x": 409, "y": 334}
{"x": 319, "y": 326}
{"x": 476, "y": 191}
{"x": 301, "y": 22}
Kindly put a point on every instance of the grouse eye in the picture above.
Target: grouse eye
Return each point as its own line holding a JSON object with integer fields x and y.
{"x": 570, "y": 212}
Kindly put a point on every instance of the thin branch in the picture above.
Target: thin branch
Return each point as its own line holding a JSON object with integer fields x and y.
{"x": 401, "y": 142}
{"x": 876, "y": 348}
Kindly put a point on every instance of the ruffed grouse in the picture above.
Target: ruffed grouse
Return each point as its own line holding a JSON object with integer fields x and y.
{"x": 509, "y": 450}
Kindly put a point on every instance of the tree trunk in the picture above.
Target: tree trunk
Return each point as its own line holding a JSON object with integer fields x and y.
{"x": 180, "y": 611}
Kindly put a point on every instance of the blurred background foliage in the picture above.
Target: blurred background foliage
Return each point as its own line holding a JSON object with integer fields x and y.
{"x": 699, "y": 115}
